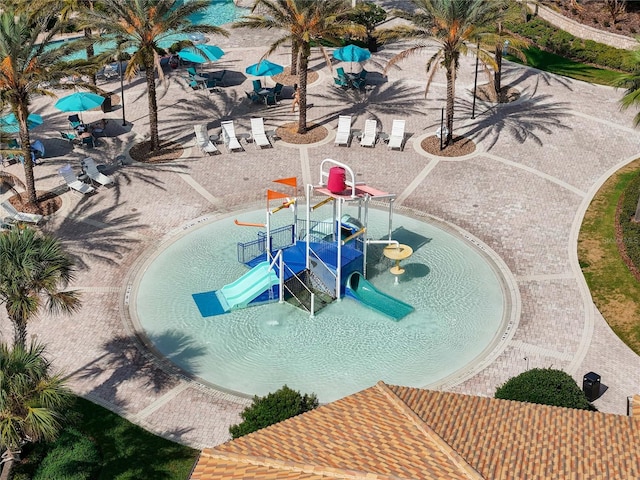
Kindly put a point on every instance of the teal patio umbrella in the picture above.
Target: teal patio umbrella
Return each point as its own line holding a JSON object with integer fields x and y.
{"x": 201, "y": 53}
{"x": 79, "y": 102}
{"x": 264, "y": 68}
{"x": 9, "y": 123}
{"x": 352, "y": 54}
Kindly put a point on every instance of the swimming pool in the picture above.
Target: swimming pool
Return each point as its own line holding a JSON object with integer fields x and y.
{"x": 219, "y": 12}
{"x": 461, "y": 309}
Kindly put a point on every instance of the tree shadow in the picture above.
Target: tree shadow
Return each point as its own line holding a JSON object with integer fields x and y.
{"x": 125, "y": 361}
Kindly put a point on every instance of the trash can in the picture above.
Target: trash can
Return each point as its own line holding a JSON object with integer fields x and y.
{"x": 591, "y": 386}
{"x": 106, "y": 105}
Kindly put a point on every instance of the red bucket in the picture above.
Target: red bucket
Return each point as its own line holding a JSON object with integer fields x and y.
{"x": 336, "y": 182}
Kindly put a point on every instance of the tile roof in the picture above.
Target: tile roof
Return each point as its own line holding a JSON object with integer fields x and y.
{"x": 389, "y": 432}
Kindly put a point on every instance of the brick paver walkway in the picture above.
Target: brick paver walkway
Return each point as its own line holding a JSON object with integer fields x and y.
{"x": 523, "y": 193}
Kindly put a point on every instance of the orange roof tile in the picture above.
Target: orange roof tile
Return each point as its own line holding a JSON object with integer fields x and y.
{"x": 388, "y": 432}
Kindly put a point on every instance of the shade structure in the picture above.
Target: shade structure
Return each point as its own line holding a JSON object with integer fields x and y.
{"x": 9, "y": 123}
{"x": 352, "y": 53}
{"x": 264, "y": 68}
{"x": 201, "y": 53}
{"x": 79, "y": 102}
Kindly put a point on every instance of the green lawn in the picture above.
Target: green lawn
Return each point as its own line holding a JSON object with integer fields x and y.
{"x": 550, "y": 62}
{"x": 615, "y": 291}
{"x": 128, "y": 452}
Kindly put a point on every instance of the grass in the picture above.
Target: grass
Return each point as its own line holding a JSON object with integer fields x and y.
{"x": 550, "y": 62}
{"x": 615, "y": 291}
{"x": 128, "y": 452}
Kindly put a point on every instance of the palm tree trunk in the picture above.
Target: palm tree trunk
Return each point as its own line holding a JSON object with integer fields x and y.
{"x": 90, "y": 54}
{"x": 153, "y": 106}
{"x": 295, "y": 53}
{"x": 19, "y": 329}
{"x": 7, "y": 467}
{"x": 451, "y": 95}
{"x": 305, "y": 51}
{"x": 497, "y": 76}
{"x": 22, "y": 113}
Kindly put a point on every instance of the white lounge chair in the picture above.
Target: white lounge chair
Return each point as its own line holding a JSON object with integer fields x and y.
{"x": 72, "y": 181}
{"x": 203, "y": 141}
{"x": 370, "y": 134}
{"x": 91, "y": 169}
{"x": 344, "y": 130}
{"x": 21, "y": 216}
{"x": 396, "y": 139}
{"x": 258, "y": 134}
{"x": 229, "y": 136}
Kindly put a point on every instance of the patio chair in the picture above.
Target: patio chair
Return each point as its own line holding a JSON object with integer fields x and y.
{"x": 71, "y": 138}
{"x": 88, "y": 140}
{"x": 91, "y": 170}
{"x": 74, "y": 121}
{"x": 229, "y": 136}
{"x": 203, "y": 141}
{"x": 340, "y": 72}
{"x": 277, "y": 91}
{"x": 396, "y": 139}
{"x": 258, "y": 134}
{"x": 21, "y": 216}
{"x": 369, "y": 134}
{"x": 257, "y": 85}
{"x": 341, "y": 82}
{"x": 270, "y": 100}
{"x": 343, "y": 135}
{"x": 253, "y": 97}
{"x": 75, "y": 185}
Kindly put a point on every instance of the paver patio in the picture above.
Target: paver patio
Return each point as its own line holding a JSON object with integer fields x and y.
{"x": 523, "y": 193}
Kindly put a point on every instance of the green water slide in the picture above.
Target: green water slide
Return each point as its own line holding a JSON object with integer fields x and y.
{"x": 361, "y": 290}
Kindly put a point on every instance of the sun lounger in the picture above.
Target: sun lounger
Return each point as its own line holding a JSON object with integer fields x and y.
{"x": 370, "y": 134}
{"x": 229, "y": 136}
{"x": 21, "y": 216}
{"x": 258, "y": 134}
{"x": 72, "y": 181}
{"x": 203, "y": 141}
{"x": 91, "y": 169}
{"x": 343, "y": 135}
{"x": 396, "y": 139}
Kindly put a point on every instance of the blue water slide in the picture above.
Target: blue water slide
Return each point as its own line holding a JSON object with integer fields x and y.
{"x": 249, "y": 286}
{"x": 360, "y": 289}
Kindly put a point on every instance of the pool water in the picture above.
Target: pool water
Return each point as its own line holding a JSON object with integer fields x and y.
{"x": 219, "y": 12}
{"x": 459, "y": 311}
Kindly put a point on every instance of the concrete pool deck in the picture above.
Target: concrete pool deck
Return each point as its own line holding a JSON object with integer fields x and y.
{"x": 523, "y": 193}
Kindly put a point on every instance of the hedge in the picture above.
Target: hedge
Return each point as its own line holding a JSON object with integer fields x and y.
{"x": 545, "y": 386}
{"x": 73, "y": 456}
{"x": 562, "y": 43}
{"x": 631, "y": 229}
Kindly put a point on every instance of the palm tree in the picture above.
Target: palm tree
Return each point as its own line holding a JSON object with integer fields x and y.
{"x": 27, "y": 64}
{"x": 451, "y": 23}
{"x": 142, "y": 25}
{"x": 304, "y": 22}
{"x": 32, "y": 401}
{"x": 33, "y": 268}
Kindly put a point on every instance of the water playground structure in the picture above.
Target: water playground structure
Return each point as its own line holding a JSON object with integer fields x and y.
{"x": 313, "y": 262}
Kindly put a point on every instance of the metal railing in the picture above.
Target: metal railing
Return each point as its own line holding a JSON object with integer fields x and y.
{"x": 281, "y": 237}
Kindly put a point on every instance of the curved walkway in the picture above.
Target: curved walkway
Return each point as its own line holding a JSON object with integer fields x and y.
{"x": 523, "y": 193}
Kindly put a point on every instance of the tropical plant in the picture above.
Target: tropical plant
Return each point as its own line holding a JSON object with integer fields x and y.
{"x": 631, "y": 81}
{"x": 500, "y": 40}
{"x": 275, "y": 407}
{"x": 545, "y": 386}
{"x": 32, "y": 401}
{"x": 27, "y": 65}
{"x": 305, "y": 22}
{"x": 369, "y": 15}
{"x": 451, "y": 23}
{"x": 141, "y": 25}
{"x": 33, "y": 268}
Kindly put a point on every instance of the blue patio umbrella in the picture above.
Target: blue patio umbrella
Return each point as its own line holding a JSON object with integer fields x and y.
{"x": 9, "y": 123}
{"x": 352, "y": 53}
{"x": 264, "y": 68}
{"x": 79, "y": 102}
{"x": 201, "y": 53}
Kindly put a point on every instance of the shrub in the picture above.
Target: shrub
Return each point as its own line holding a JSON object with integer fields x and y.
{"x": 72, "y": 456}
{"x": 275, "y": 407}
{"x": 631, "y": 229}
{"x": 545, "y": 386}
